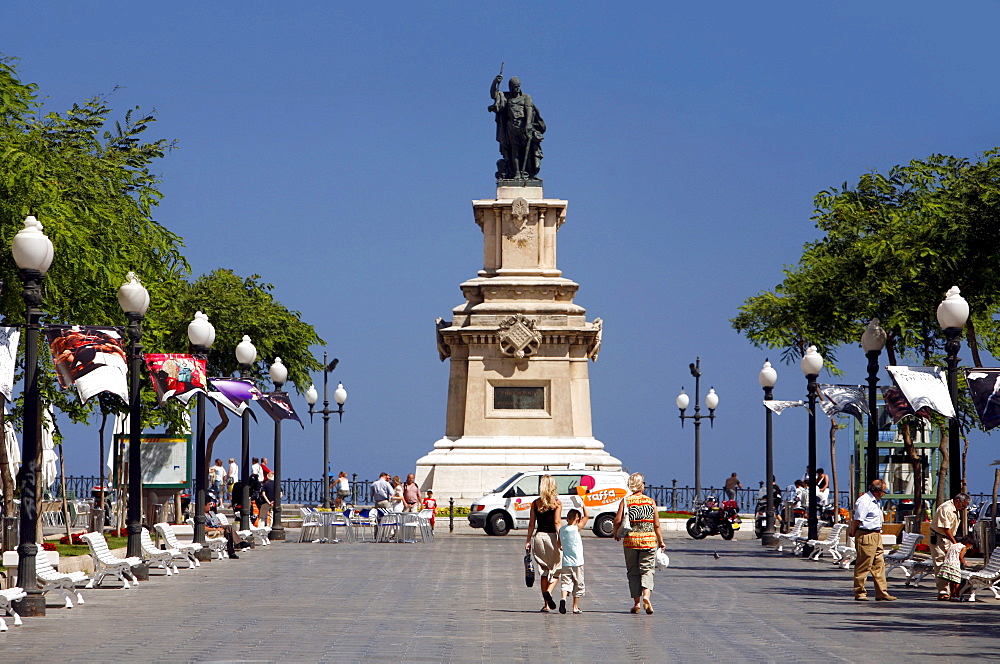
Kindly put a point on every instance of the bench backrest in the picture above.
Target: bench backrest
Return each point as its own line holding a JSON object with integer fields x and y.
{"x": 223, "y": 519}
{"x": 168, "y": 534}
{"x": 147, "y": 543}
{"x": 44, "y": 569}
{"x": 992, "y": 568}
{"x": 99, "y": 547}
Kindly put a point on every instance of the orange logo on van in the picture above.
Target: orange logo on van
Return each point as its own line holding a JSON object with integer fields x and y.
{"x": 520, "y": 507}
{"x": 603, "y": 497}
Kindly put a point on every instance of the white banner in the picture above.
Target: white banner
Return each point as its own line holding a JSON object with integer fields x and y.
{"x": 8, "y": 356}
{"x": 778, "y": 406}
{"x": 924, "y": 387}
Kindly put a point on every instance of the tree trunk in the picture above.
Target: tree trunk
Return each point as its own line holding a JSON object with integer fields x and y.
{"x": 916, "y": 467}
{"x": 219, "y": 428}
{"x": 970, "y": 338}
{"x": 942, "y": 490}
{"x": 833, "y": 469}
{"x": 65, "y": 504}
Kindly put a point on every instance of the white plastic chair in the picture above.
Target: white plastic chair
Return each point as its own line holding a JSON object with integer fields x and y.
{"x": 310, "y": 526}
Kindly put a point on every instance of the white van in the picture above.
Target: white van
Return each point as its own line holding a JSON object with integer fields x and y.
{"x": 509, "y": 505}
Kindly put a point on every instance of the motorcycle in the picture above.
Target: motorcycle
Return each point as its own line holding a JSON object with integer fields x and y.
{"x": 760, "y": 514}
{"x": 710, "y": 518}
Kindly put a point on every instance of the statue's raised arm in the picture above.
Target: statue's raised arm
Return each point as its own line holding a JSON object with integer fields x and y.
{"x": 519, "y": 132}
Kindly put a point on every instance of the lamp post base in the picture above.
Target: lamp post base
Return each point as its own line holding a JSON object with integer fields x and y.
{"x": 768, "y": 539}
{"x": 277, "y": 534}
{"x": 141, "y": 572}
{"x": 204, "y": 554}
{"x": 32, "y": 606}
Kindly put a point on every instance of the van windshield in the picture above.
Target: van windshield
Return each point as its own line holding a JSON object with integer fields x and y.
{"x": 507, "y": 483}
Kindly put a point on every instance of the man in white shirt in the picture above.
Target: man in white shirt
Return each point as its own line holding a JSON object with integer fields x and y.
{"x": 232, "y": 477}
{"x": 866, "y": 529}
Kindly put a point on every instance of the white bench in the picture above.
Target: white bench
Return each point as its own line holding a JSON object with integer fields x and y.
{"x": 108, "y": 564}
{"x": 792, "y": 535}
{"x": 987, "y": 577}
{"x": 188, "y": 550}
{"x": 829, "y": 545}
{"x": 6, "y": 597}
{"x": 255, "y": 534}
{"x": 49, "y": 578}
{"x": 162, "y": 558}
{"x": 903, "y": 556}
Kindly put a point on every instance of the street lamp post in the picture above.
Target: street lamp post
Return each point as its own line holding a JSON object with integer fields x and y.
{"x": 812, "y": 364}
{"x": 246, "y": 355}
{"x": 873, "y": 341}
{"x": 134, "y": 300}
{"x": 279, "y": 374}
{"x": 201, "y": 334}
{"x": 33, "y": 254}
{"x": 712, "y": 401}
{"x": 767, "y": 378}
{"x": 952, "y": 314}
{"x": 340, "y": 396}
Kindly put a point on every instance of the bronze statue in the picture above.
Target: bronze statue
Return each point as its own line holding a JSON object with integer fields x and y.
{"x": 519, "y": 132}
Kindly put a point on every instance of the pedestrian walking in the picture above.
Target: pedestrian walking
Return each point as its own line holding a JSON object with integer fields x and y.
{"x": 641, "y": 542}
{"x": 866, "y": 529}
{"x": 543, "y": 537}
{"x": 571, "y": 574}
{"x": 944, "y": 533}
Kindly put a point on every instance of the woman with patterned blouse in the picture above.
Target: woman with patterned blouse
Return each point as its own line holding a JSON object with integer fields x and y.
{"x": 641, "y": 542}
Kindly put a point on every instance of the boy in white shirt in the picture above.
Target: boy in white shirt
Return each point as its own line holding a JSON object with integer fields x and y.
{"x": 572, "y": 558}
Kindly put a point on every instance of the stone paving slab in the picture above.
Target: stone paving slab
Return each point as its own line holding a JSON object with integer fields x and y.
{"x": 462, "y": 599}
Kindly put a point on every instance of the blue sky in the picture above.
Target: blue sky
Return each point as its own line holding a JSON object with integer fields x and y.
{"x": 334, "y": 149}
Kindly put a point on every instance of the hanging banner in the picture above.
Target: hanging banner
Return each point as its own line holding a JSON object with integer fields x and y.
{"x": 90, "y": 358}
{"x": 846, "y": 399}
{"x": 176, "y": 375}
{"x": 234, "y": 393}
{"x": 898, "y": 407}
{"x": 778, "y": 406}
{"x": 279, "y": 406}
{"x": 8, "y": 356}
{"x": 984, "y": 387}
{"x": 924, "y": 387}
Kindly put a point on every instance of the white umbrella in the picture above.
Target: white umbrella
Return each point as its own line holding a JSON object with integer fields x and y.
{"x": 50, "y": 460}
{"x": 13, "y": 449}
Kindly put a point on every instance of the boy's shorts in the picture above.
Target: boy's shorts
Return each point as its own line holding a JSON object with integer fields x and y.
{"x": 572, "y": 580}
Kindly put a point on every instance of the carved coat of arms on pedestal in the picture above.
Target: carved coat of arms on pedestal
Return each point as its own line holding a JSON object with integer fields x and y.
{"x": 518, "y": 337}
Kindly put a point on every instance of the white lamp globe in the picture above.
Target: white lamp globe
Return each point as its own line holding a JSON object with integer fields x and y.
{"x": 873, "y": 337}
{"x": 953, "y": 310}
{"x": 246, "y": 353}
{"x": 682, "y": 400}
{"x": 812, "y": 362}
{"x": 201, "y": 332}
{"x": 278, "y": 372}
{"x": 31, "y": 248}
{"x": 133, "y": 297}
{"x": 767, "y": 376}
{"x": 340, "y": 394}
{"x": 712, "y": 399}
{"x": 312, "y": 396}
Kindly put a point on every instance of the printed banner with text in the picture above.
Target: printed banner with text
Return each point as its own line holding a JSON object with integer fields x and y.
{"x": 924, "y": 387}
{"x": 90, "y": 358}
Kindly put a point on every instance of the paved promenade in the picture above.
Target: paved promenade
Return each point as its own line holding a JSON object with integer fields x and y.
{"x": 462, "y": 599}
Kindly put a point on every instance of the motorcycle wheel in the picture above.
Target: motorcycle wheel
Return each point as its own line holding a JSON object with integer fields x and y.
{"x": 726, "y": 530}
{"x": 694, "y": 530}
{"x": 758, "y": 529}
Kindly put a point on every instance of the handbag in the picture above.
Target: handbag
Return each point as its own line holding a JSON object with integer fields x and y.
{"x": 625, "y": 527}
{"x": 529, "y": 570}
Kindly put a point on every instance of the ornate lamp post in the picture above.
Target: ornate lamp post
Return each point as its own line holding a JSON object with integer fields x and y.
{"x": 33, "y": 255}
{"x": 340, "y": 396}
{"x": 952, "y": 314}
{"x": 134, "y": 300}
{"x": 201, "y": 334}
{"x": 767, "y": 378}
{"x": 712, "y": 401}
{"x": 873, "y": 341}
{"x": 812, "y": 364}
{"x": 246, "y": 355}
{"x": 279, "y": 374}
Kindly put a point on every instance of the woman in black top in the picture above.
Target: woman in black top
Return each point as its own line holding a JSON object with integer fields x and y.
{"x": 543, "y": 537}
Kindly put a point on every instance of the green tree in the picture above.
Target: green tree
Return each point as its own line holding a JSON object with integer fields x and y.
{"x": 891, "y": 247}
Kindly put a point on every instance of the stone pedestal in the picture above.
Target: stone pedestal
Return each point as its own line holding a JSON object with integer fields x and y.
{"x": 519, "y": 388}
